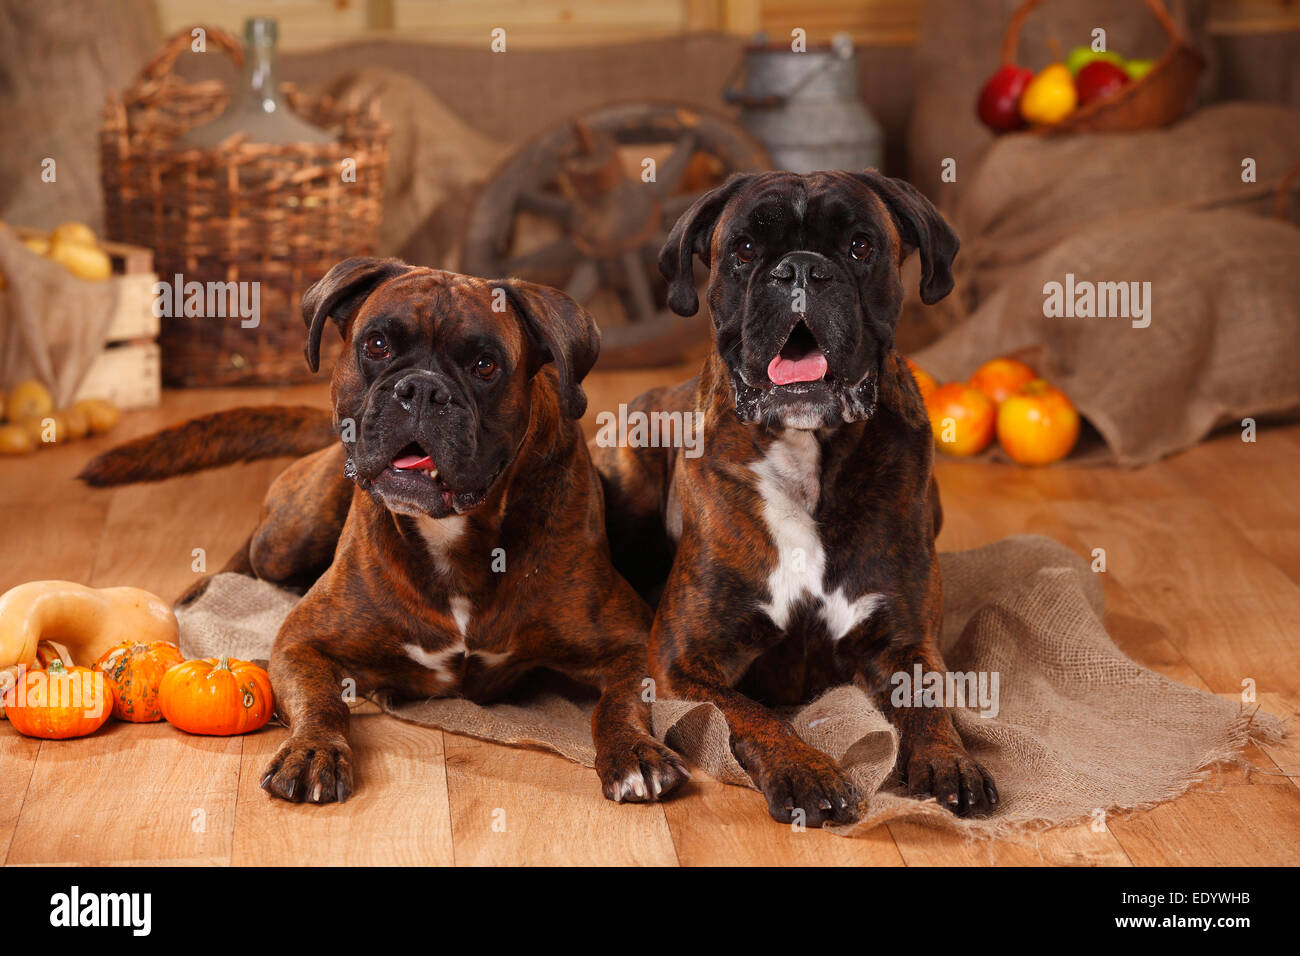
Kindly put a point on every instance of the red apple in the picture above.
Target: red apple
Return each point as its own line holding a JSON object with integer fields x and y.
{"x": 999, "y": 102}
{"x": 1098, "y": 80}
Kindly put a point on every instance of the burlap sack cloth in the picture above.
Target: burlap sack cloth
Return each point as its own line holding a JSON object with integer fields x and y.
{"x": 1079, "y": 726}
{"x": 1165, "y": 207}
{"x": 437, "y": 163}
{"x": 52, "y": 324}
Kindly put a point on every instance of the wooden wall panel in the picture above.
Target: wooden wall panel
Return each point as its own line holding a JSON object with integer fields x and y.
{"x": 534, "y": 24}
{"x": 310, "y": 24}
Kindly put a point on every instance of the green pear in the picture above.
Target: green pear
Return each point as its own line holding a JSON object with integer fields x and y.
{"x": 1081, "y": 56}
{"x": 1136, "y": 69}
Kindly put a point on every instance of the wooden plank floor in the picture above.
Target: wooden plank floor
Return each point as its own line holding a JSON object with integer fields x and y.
{"x": 1203, "y": 584}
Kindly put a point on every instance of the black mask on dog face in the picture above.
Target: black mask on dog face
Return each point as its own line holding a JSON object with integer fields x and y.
{"x": 433, "y": 391}
{"x": 803, "y": 290}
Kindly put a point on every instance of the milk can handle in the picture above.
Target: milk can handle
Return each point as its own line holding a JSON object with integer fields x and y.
{"x": 775, "y": 100}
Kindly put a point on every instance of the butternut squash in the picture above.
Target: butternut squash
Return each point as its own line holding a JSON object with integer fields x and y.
{"x": 87, "y": 620}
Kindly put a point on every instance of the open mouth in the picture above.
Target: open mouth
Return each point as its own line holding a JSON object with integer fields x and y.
{"x": 414, "y": 464}
{"x": 412, "y": 476}
{"x": 413, "y": 458}
{"x": 801, "y": 359}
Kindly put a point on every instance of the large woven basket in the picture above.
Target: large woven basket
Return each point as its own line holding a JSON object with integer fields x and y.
{"x": 1157, "y": 99}
{"x": 279, "y": 216}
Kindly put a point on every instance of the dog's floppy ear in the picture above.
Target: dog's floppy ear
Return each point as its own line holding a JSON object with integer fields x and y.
{"x": 560, "y": 331}
{"x": 339, "y": 295}
{"x": 691, "y": 236}
{"x": 921, "y": 227}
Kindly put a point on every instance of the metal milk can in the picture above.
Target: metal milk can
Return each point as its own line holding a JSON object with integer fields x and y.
{"x": 806, "y": 108}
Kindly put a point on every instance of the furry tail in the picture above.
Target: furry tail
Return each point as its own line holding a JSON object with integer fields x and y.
{"x": 210, "y": 441}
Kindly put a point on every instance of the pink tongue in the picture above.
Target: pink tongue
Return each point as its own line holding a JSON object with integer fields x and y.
{"x": 810, "y": 368}
{"x": 413, "y": 461}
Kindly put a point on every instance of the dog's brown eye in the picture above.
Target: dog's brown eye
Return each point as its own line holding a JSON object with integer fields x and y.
{"x": 745, "y": 250}
{"x": 484, "y": 367}
{"x": 377, "y": 347}
{"x": 859, "y": 247}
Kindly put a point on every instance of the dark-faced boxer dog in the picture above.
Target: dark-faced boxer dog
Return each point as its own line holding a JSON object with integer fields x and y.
{"x": 797, "y": 551}
{"x": 454, "y": 540}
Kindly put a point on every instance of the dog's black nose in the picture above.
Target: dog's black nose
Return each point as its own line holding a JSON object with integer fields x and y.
{"x": 800, "y": 269}
{"x": 421, "y": 388}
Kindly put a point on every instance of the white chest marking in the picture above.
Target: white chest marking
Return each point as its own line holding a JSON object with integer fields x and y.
{"x": 789, "y": 482}
{"x": 436, "y": 661}
{"x": 440, "y": 661}
{"x": 439, "y": 535}
{"x": 460, "y": 611}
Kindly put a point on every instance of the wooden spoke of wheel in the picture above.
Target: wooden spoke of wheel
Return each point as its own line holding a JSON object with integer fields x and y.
{"x": 546, "y": 204}
{"x": 673, "y": 168}
{"x": 584, "y": 282}
{"x": 675, "y": 206}
{"x": 638, "y": 287}
{"x": 552, "y": 261}
{"x": 665, "y": 341}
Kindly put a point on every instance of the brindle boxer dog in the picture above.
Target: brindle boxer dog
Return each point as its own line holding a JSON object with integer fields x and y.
{"x": 454, "y": 540}
{"x": 797, "y": 551}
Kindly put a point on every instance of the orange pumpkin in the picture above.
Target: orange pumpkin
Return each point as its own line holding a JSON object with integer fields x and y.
{"x": 59, "y": 702}
{"x": 135, "y": 670}
{"x": 216, "y": 697}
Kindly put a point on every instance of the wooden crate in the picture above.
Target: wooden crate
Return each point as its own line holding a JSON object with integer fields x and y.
{"x": 134, "y": 318}
{"x": 129, "y": 371}
{"x": 128, "y": 374}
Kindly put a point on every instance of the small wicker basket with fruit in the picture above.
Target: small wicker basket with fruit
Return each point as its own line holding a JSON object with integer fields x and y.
{"x": 1095, "y": 91}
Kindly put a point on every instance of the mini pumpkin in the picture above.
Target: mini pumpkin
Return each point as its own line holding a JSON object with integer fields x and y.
{"x": 135, "y": 671}
{"x": 59, "y": 702}
{"x": 216, "y": 697}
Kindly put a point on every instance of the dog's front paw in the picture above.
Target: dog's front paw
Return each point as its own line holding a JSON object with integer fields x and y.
{"x": 810, "y": 782}
{"x": 947, "y": 773}
{"x": 642, "y": 772}
{"x": 310, "y": 768}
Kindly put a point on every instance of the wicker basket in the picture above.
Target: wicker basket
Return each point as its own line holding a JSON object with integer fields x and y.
{"x": 280, "y": 216}
{"x": 1157, "y": 99}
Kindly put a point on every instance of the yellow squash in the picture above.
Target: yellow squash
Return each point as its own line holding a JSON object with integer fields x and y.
{"x": 89, "y": 621}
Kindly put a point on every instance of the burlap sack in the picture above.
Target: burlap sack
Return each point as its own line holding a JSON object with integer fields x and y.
{"x": 1223, "y": 341}
{"x": 1079, "y": 727}
{"x": 52, "y": 324}
{"x": 435, "y": 162}
{"x": 58, "y": 60}
{"x": 1030, "y": 193}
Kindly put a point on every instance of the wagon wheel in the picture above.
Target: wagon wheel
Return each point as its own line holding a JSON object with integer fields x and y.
{"x": 587, "y": 205}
